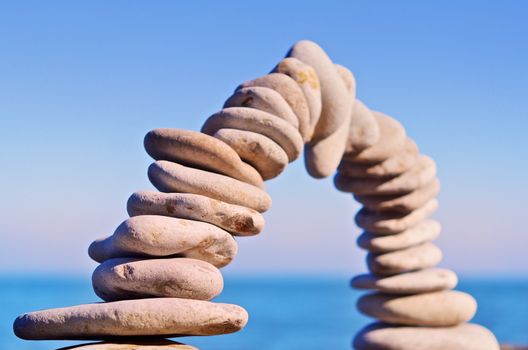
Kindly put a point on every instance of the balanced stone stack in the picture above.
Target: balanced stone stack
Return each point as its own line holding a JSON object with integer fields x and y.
{"x": 159, "y": 270}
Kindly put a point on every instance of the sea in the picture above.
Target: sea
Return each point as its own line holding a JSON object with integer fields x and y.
{"x": 286, "y": 313}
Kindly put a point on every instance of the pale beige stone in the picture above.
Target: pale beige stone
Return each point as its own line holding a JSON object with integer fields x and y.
{"x": 161, "y": 236}
{"x": 308, "y": 81}
{"x": 364, "y": 131}
{"x": 409, "y": 259}
{"x": 422, "y": 232}
{"x": 258, "y": 150}
{"x": 401, "y": 203}
{"x": 390, "y": 222}
{"x": 127, "y": 278}
{"x": 392, "y": 140}
{"x": 422, "y": 173}
{"x": 265, "y": 99}
{"x": 154, "y": 344}
{"x": 166, "y": 317}
{"x": 291, "y": 92}
{"x": 422, "y": 281}
{"x": 392, "y": 166}
{"x": 173, "y": 177}
{"x": 238, "y": 220}
{"x": 379, "y": 336}
{"x": 437, "y": 309}
{"x": 249, "y": 119}
{"x": 201, "y": 151}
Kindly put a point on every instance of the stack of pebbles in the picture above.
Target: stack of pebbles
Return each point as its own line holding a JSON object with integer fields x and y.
{"x": 159, "y": 269}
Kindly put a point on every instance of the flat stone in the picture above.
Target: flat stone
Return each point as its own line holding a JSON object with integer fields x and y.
{"x": 422, "y": 281}
{"x": 201, "y": 151}
{"x": 264, "y": 99}
{"x": 379, "y": 336}
{"x": 236, "y": 219}
{"x": 173, "y": 177}
{"x": 437, "y": 309}
{"x": 414, "y": 258}
{"x": 260, "y": 122}
{"x": 401, "y": 203}
{"x": 421, "y": 174}
{"x": 363, "y": 131}
{"x": 422, "y": 232}
{"x": 291, "y": 92}
{"x": 152, "y": 344}
{"x": 390, "y": 167}
{"x": 166, "y": 317}
{"x": 392, "y": 140}
{"x": 307, "y": 79}
{"x": 161, "y": 236}
{"x": 258, "y": 150}
{"x": 127, "y": 278}
{"x": 390, "y": 222}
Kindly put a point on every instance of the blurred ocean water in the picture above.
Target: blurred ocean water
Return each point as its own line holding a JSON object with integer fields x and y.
{"x": 285, "y": 313}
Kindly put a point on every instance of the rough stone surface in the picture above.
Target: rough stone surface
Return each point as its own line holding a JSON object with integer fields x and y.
{"x": 364, "y": 130}
{"x": 291, "y": 92}
{"x": 264, "y": 99}
{"x": 201, "y": 151}
{"x": 414, "y": 258}
{"x": 437, "y": 309}
{"x": 166, "y": 317}
{"x": 238, "y": 220}
{"x": 126, "y": 278}
{"x": 422, "y": 281}
{"x": 424, "y": 231}
{"x": 160, "y": 236}
{"x": 173, "y": 177}
{"x": 401, "y": 203}
{"x": 258, "y": 150}
{"x": 260, "y": 122}
{"x": 154, "y": 344}
{"x": 380, "y": 336}
{"x": 387, "y": 223}
{"x": 307, "y": 79}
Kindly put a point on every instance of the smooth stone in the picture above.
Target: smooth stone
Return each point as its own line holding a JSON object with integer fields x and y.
{"x": 166, "y": 317}
{"x": 291, "y": 92}
{"x": 392, "y": 140}
{"x": 173, "y": 177}
{"x": 307, "y": 79}
{"x": 422, "y": 281}
{"x": 264, "y": 99}
{"x": 336, "y": 104}
{"x": 349, "y": 80}
{"x": 389, "y": 222}
{"x": 127, "y": 278}
{"x": 249, "y": 119}
{"x": 424, "y": 231}
{"x": 364, "y": 131}
{"x": 236, "y": 219}
{"x": 409, "y": 259}
{"x": 258, "y": 150}
{"x": 161, "y": 236}
{"x": 401, "y": 203}
{"x": 201, "y": 151}
{"x": 392, "y": 166}
{"x": 154, "y": 344}
{"x": 422, "y": 173}
{"x": 468, "y": 336}
{"x": 437, "y": 309}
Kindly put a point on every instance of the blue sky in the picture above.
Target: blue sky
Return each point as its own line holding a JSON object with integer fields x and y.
{"x": 82, "y": 82}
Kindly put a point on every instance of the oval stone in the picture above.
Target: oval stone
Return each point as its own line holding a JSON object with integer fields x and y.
{"x": 173, "y": 177}
{"x": 154, "y": 344}
{"x": 236, "y": 219}
{"x": 437, "y": 309}
{"x": 249, "y": 119}
{"x": 166, "y": 317}
{"x": 414, "y": 258}
{"x": 126, "y": 278}
{"x": 258, "y": 150}
{"x": 161, "y": 236}
{"x": 379, "y": 336}
{"x": 363, "y": 131}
